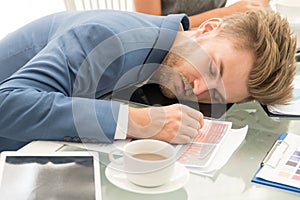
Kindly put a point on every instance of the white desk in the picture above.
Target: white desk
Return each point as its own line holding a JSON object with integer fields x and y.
{"x": 233, "y": 182}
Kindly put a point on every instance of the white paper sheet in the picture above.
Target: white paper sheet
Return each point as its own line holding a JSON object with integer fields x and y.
{"x": 51, "y": 146}
{"x": 293, "y": 107}
{"x": 227, "y": 146}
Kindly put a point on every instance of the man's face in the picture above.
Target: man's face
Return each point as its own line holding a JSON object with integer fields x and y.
{"x": 216, "y": 72}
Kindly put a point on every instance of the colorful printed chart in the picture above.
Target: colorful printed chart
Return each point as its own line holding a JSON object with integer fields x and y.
{"x": 291, "y": 169}
{"x": 282, "y": 167}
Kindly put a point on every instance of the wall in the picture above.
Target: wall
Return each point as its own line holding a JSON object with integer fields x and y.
{"x": 16, "y": 13}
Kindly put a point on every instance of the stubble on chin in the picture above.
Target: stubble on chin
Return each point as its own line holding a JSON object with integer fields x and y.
{"x": 168, "y": 82}
{"x": 165, "y": 81}
{"x": 167, "y": 92}
{"x": 168, "y": 77}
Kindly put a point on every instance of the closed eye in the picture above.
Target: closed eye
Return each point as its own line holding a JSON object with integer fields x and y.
{"x": 213, "y": 71}
{"x": 217, "y": 97}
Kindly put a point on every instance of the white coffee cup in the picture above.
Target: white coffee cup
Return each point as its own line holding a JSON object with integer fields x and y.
{"x": 147, "y": 162}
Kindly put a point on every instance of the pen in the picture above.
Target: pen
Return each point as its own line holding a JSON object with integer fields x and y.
{"x": 273, "y": 148}
{"x": 204, "y": 143}
{"x": 270, "y": 152}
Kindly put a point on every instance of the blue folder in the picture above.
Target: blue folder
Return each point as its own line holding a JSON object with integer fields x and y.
{"x": 271, "y": 183}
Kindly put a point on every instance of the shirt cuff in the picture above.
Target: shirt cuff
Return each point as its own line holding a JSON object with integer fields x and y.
{"x": 122, "y": 123}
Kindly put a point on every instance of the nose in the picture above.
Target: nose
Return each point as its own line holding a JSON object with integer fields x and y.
{"x": 199, "y": 87}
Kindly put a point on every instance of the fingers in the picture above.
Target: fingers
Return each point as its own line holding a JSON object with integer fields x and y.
{"x": 262, "y": 2}
{"x": 246, "y": 5}
{"x": 201, "y": 121}
{"x": 197, "y": 118}
{"x": 192, "y": 120}
{"x": 190, "y": 132}
{"x": 175, "y": 123}
{"x": 181, "y": 139}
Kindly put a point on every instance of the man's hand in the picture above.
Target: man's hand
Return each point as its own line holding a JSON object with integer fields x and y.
{"x": 175, "y": 123}
{"x": 245, "y": 5}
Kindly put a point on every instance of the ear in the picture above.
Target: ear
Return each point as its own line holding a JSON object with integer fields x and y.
{"x": 208, "y": 26}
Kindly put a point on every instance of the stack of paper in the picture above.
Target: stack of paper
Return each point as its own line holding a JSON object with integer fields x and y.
{"x": 208, "y": 152}
{"x": 293, "y": 107}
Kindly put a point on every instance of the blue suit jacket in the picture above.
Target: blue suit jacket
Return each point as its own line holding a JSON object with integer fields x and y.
{"x": 55, "y": 70}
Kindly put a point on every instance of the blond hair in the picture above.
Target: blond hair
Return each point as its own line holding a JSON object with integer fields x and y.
{"x": 268, "y": 36}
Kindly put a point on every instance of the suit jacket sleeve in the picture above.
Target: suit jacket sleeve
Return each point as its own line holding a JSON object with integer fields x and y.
{"x": 55, "y": 94}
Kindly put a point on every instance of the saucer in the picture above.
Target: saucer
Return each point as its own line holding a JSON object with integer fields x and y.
{"x": 118, "y": 178}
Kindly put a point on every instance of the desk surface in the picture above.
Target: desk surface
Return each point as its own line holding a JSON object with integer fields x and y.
{"x": 233, "y": 182}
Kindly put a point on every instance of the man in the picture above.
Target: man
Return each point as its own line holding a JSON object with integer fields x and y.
{"x": 56, "y": 72}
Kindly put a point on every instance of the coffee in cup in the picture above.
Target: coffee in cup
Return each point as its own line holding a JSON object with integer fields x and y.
{"x": 146, "y": 162}
{"x": 149, "y": 156}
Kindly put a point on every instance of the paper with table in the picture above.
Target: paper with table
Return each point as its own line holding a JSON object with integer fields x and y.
{"x": 210, "y": 150}
{"x": 293, "y": 107}
{"x": 281, "y": 166}
{"x": 208, "y": 153}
